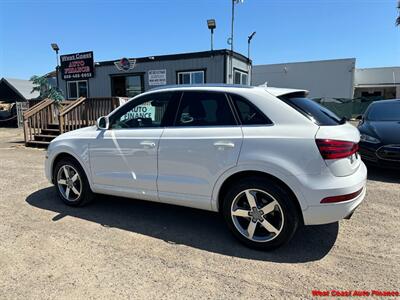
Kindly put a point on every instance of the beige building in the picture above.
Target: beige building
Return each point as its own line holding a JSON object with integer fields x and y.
{"x": 336, "y": 78}
{"x": 380, "y": 83}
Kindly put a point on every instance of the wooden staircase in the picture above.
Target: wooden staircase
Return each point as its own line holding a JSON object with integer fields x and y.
{"x": 47, "y": 119}
{"x": 46, "y": 135}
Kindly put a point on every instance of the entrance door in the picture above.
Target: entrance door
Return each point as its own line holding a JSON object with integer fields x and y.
{"x": 123, "y": 159}
{"x": 127, "y": 85}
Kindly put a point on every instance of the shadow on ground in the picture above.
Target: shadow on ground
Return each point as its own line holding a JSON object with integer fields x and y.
{"x": 383, "y": 175}
{"x": 179, "y": 225}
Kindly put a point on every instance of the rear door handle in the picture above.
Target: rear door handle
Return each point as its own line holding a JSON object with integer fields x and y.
{"x": 224, "y": 144}
{"x": 148, "y": 144}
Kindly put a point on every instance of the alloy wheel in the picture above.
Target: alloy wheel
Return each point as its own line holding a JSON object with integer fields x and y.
{"x": 257, "y": 215}
{"x": 69, "y": 183}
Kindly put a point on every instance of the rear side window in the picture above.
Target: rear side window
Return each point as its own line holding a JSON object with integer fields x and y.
{"x": 204, "y": 109}
{"x": 248, "y": 113}
{"x": 316, "y": 112}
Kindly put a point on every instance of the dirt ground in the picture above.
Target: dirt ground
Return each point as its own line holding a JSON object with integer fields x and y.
{"x": 119, "y": 248}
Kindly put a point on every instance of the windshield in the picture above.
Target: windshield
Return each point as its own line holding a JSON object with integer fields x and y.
{"x": 384, "y": 111}
{"x": 319, "y": 114}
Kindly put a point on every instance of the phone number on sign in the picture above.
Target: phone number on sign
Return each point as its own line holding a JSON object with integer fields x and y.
{"x": 355, "y": 293}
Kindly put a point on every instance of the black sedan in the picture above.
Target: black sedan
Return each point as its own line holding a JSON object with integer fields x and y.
{"x": 380, "y": 134}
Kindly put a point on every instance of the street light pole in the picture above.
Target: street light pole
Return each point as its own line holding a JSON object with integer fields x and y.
{"x": 55, "y": 47}
{"x": 58, "y": 85}
{"x": 249, "y": 38}
{"x": 212, "y": 25}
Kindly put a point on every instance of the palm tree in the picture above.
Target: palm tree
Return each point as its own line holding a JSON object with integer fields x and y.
{"x": 398, "y": 18}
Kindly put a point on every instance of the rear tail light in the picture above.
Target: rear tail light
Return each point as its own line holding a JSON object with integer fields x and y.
{"x": 341, "y": 198}
{"x": 333, "y": 149}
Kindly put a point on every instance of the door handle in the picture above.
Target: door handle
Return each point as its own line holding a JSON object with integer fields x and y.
{"x": 148, "y": 144}
{"x": 224, "y": 145}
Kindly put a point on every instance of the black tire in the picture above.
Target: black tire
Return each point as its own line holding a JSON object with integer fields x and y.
{"x": 86, "y": 194}
{"x": 265, "y": 191}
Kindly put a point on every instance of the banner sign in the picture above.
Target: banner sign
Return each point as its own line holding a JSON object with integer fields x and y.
{"x": 77, "y": 66}
{"x": 157, "y": 77}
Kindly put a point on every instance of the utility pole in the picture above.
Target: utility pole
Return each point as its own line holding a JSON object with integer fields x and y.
{"x": 230, "y": 40}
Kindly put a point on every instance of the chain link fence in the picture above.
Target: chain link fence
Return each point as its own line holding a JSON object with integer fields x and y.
{"x": 348, "y": 108}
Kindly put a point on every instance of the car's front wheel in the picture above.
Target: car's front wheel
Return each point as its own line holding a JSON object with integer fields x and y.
{"x": 261, "y": 214}
{"x": 71, "y": 183}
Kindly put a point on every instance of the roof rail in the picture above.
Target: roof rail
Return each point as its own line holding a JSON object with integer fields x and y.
{"x": 200, "y": 85}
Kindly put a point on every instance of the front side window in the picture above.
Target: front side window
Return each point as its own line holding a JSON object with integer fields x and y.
{"x": 77, "y": 89}
{"x": 240, "y": 77}
{"x": 204, "y": 109}
{"x": 191, "y": 77}
{"x": 145, "y": 112}
{"x": 248, "y": 113}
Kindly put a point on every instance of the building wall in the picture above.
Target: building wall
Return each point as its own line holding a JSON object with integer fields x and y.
{"x": 237, "y": 64}
{"x": 377, "y": 76}
{"x": 100, "y": 85}
{"x": 382, "y": 80}
{"x": 324, "y": 79}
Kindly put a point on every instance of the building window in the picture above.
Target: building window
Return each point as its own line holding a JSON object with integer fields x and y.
{"x": 77, "y": 89}
{"x": 240, "y": 77}
{"x": 191, "y": 77}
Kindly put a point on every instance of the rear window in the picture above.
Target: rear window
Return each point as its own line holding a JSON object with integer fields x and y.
{"x": 384, "y": 111}
{"x": 314, "y": 111}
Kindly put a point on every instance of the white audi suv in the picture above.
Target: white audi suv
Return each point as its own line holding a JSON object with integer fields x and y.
{"x": 268, "y": 159}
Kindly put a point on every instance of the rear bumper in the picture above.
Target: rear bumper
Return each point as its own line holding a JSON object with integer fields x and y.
{"x": 329, "y": 213}
{"x": 323, "y": 213}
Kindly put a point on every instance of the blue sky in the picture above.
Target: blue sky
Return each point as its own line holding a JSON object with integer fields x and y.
{"x": 287, "y": 30}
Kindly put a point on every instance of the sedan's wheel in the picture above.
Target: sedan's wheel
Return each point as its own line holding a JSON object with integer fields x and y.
{"x": 71, "y": 182}
{"x": 260, "y": 214}
{"x": 257, "y": 215}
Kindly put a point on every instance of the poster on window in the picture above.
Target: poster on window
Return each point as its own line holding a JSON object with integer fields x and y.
{"x": 157, "y": 77}
{"x": 143, "y": 111}
{"x": 77, "y": 66}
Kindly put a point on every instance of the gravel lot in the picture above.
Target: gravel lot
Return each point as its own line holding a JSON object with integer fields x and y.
{"x": 132, "y": 249}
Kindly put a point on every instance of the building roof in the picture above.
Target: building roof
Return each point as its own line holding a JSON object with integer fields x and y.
{"x": 22, "y": 87}
{"x": 189, "y": 55}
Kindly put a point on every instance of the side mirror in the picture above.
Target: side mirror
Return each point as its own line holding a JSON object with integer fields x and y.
{"x": 103, "y": 123}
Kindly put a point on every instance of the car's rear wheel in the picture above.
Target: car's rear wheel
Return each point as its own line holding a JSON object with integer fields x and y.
{"x": 71, "y": 183}
{"x": 261, "y": 214}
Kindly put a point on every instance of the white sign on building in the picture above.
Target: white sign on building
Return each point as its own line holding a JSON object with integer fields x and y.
{"x": 157, "y": 77}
